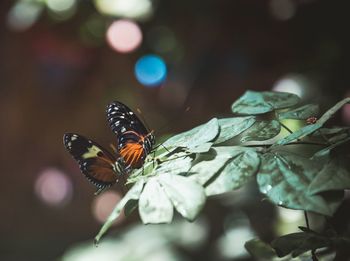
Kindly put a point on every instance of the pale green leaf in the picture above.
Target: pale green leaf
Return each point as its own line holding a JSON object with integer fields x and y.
{"x": 301, "y": 113}
{"x": 204, "y": 147}
{"x": 285, "y": 178}
{"x": 187, "y": 196}
{"x": 231, "y": 127}
{"x": 262, "y": 130}
{"x": 205, "y": 169}
{"x": 236, "y": 173}
{"x": 333, "y": 176}
{"x": 261, "y": 102}
{"x": 132, "y": 194}
{"x": 176, "y": 164}
{"x": 195, "y": 137}
{"x": 154, "y": 205}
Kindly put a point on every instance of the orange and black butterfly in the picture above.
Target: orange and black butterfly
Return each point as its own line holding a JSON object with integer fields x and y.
{"x": 102, "y": 168}
{"x": 134, "y": 141}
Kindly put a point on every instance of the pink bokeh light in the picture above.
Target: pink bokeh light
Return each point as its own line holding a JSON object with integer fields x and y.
{"x": 124, "y": 36}
{"x": 53, "y": 187}
{"x": 103, "y": 205}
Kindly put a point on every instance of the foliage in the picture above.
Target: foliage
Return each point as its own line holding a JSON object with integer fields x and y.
{"x": 300, "y": 170}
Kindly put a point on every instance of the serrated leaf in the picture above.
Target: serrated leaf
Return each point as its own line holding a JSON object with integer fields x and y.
{"x": 237, "y": 172}
{"x": 333, "y": 176}
{"x": 195, "y": 137}
{"x": 231, "y": 127}
{"x": 298, "y": 243}
{"x": 285, "y": 178}
{"x": 186, "y": 195}
{"x": 262, "y": 130}
{"x": 253, "y": 103}
{"x": 154, "y": 205}
{"x": 311, "y": 128}
{"x": 301, "y": 113}
{"x": 205, "y": 169}
{"x": 259, "y": 249}
{"x": 132, "y": 194}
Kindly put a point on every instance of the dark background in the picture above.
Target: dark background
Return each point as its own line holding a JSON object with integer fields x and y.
{"x": 51, "y": 82}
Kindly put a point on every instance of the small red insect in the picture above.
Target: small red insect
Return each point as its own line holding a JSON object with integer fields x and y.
{"x": 311, "y": 120}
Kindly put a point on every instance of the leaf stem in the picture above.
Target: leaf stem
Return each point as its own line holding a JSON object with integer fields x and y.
{"x": 284, "y": 126}
{"x": 313, "y": 252}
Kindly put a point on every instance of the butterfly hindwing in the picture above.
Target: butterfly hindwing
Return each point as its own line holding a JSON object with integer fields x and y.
{"x": 99, "y": 166}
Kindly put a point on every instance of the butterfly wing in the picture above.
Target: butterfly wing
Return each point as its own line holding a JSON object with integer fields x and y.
{"x": 134, "y": 140}
{"x": 98, "y": 165}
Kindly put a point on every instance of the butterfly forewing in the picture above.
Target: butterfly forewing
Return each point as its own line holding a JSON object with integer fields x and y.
{"x": 99, "y": 166}
{"x": 134, "y": 140}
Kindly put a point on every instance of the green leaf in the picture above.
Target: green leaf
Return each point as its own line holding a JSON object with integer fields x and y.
{"x": 178, "y": 163}
{"x": 333, "y": 176}
{"x": 331, "y": 131}
{"x": 262, "y": 130}
{"x": 130, "y": 207}
{"x": 285, "y": 178}
{"x": 236, "y": 173}
{"x": 231, "y": 127}
{"x": 187, "y": 196}
{"x": 327, "y": 150}
{"x": 308, "y": 129}
{"x": 132, "y": 194}
{"x": 298, "y": 243}
{"x": 154, "y": 205}
{"x": 261, "y": 102}
{"x": 311, "y": 128}
{"x": 259, "y": 249}
{"x": 218, "y": 156}
{"x": 301, "y": 113}
{"x": 195, "y": 137}
{"x": 202, "y": 148}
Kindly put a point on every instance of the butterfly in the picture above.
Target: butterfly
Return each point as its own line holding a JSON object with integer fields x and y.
{"x": 134, "y": 141}
{"x": 99, "y": 166}
{"x": 102, "y": 168}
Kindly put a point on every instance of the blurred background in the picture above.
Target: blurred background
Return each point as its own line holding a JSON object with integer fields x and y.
{"x": 62, "y": 61}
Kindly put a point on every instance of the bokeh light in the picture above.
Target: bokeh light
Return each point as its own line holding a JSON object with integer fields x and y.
{"x": 282, "y": 9}
{"x": 150, "y": 70}
{"x": 23, "y": 15}
{"x": 124, "y": 36}
{"x": 103, "y": 205}
{"x": 291, "y": 84}
{"x": 53, "y": 187}
{"x": 61, "y": 9}
{"x": 60, "y": 5}
{"x": 134, "y": 9}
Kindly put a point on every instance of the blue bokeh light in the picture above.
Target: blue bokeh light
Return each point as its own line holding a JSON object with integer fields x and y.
{"x": 150, "y": 70}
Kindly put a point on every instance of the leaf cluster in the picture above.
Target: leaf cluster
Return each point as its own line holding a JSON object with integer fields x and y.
{"x": 224, "y": 154}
